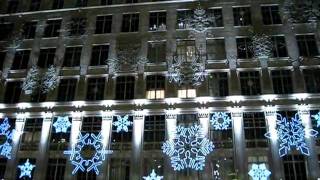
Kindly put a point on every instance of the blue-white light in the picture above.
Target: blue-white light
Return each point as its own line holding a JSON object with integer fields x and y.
{"x": 153, "y": 176}
{"x": 26, "y": 169}
{"x": 6, "y": 147}
{"x": 62, "y": 124}
{"x": 220, "y": 121}
{"x": 122, "y": 123}
{"x": 259, "y": 172}
{"x": 317, "y": 118}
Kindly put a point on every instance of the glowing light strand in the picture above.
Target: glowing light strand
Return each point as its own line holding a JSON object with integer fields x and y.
{"x": 62, "y": 124}
{"x": 6, "y": 147}
{"x": 26, "y": 169}
{"x": 317, "y": 118}
{"x": 259, "y": 172}
{"x": 220, "y": 121}
{"x": 153, "y": 176}
{"x": 122, "y": 123}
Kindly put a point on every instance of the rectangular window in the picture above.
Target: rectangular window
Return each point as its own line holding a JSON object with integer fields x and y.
{"x": 120, "y": 140}
{"x": 106, "y": 2}
{"x": 21, "y": 60}
{"x": 91, "y": 175}
{"x": 13, "y": 92}
{"x": 91, "y": 124}
{"x": 119, "y": 169}
{"x": 3, "y": 165}
{"x": 6, "y": 30}
{"x": 31, "y": 134}
{"x": 59, "y": 141}
{"x": 182, "y": 19}
{"x": 254, "y": 129}
{"x": 222, "y": 139}
{"x": 216, "y": 49}
{"x": 72, "y": 57}
{"x": 270, "y": 15}
{"x": 155, "y": 87}
{"x": 38, "y": 96}
{"x": 218, "y": 84}
{"x": 82, "y": 3}
{"x": 250, "y": 83}
{"x": 243, "y": 48}
{"x": 52, "y": 28}
{"x": 242, "y": 16}
{"x": 56, "y": 168}
{"x": 312, "y": 80}
{"x": 279, "y": 46}
{"x": 77, "y": 26}
{"x": 186, "y": 50}
{"x": 103, "y": 24}
{"x": 282, "y": 82}
{"x": 46, "y": 57}
{"x": 130, "y": 22}
{"x": 187, "y": 93}
{"x": 29, "y": 30}
{"x": 307, "y": 45}
{"x": 157, "y": 52}
{"x": 294, "y": 167}
{"x": 3, "y": 55}
{"x": 154, "y": 132}
{"x": 35, "y": 5}
{"x": 12, "y": 6}
{"x": 95, "y": 90}
{"x": 157, "y": 21}
{"x": 99, "y": 55}
{"x": 131, "y": 1}
{"x": 67, "y": 89}
{"x": 125, "y": 87}
{"x": 57, "y": 4}
{"x": 217, "y": 17}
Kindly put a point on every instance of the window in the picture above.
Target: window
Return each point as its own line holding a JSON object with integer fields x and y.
{"x": 31, "y": 135}
{"x": 56, "y": 168}
{"x": 294, "y": 167}
{"x": 91, "y": 175}
{"x": 307, "y": 45}
{"x": 106, "y": 2}
{"x": 216, "y": 49}
{"x": 216, "y": 15}
{"x": 72, "y": 56}
{"x": 155, "y": 87}
{"x": 99, "y": 55}
{"x": 6, "y": 30}
{"x": 3, "y": 164}
{"x": 29, "y": 29}
{"x": 82, "y": 3}
{"x": 35, "y": 5}
{"x": 242, "y": 16}
{"x": 282, "y": 83}
{"x": 20, "y": 60}
{"x": 119, "y": 140}
{"x": 95, "y": 90}
{"x": 157, "y": 21}
{"x": 157, "y": 52}
{"x": 243, "y": 48}
{"x": 218, "y": 84}
{"x": 38, "y": 96}
{"x": 254, "y": 129}
{"x": 270, "y": 15}
{"x": 125, "y": 87}
{"x": 103, "y": 24}
{"x": 12, "y": 6}
{"x": 52, "y": 28}
{"x": 279, "y": 46}
{"x": 91, "y": 124}
{"x": 154, "y": 132}
{"x": 59, "y": 141}
{"x": 222, "y": 139}
{"x": 13, "y": 92}
{"x": 131, "y": 1}
{"x": 187, "y": 93}
{"x": 46, "y": 57}
{"x": 2, "y": 58}
{"x": 250, "y": 83}
{"x": 77, "y": 26}
{"x": 119, "y": 169}
{"x": 182, "y": 19}
{"x": 57, "y": 4}
{"x": 130, "y": 23}
{"x": 312, "y": 80}
{"x": 66, "y": 90}
{"x": 186, "y": 50}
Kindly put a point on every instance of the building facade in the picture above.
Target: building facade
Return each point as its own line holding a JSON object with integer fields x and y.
{"x": 112, "y": 59}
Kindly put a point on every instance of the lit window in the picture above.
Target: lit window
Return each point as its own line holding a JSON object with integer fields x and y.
{"x": 187, "y": 93}
{"x": 155, "y": 87}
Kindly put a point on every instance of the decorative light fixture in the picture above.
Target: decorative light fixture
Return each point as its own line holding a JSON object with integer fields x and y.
{"x": 220, "y": 121}
{"x": 317, "y": 118}
{"x": 297, "y": 11}
{"x": 122, "y": 123}
{"x": 153, "y": 176}
{"x": 5, "y": 132}
{"x": 259, "y": 172}
{"x": 62, "y": 124}
{"x": 26, "y": 169}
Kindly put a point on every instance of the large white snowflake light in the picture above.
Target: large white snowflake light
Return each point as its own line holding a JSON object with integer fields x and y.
{"x": 87, "y": 161}
{"x": 153, "y": 176}
{"x": 6, "y": 133}
{"x": 317, "y": 118}
{"x": 122, "y": 123}
{"x": 62, "y": 124}
{"x": 291, "y": 134}
{"x": 26, "y": 169}
{"x": 188, "y": 148}
{"x": 220, "y": 121}
{"x": 259, "y": 172}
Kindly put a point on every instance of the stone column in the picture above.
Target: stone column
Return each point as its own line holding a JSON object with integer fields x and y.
{"x": 34, "y": 55}
{"x": 266, "y": 83}
{"x": 12, "y": 163}
{"x": 171, "y": 123}
{"x": 140, "y": 92}
{"x": 205, "y": 124}
{"x": 43, "y": 154}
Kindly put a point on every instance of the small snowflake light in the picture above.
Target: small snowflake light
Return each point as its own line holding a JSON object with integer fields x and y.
{"x": 153, "y": 176}
{"x": 26, "y": 169}
{"x": 6, "y": 147}
{"x": 259, "y": 172}
{"x": 220, "y": 121}
{"x": 78, "y": 153}
{"x": 62, "y": 124}
{"x": 291, "y": 134}
{"x": 188, "y": 149}
{"x": 317, "y": 118}
{"x": 122, "y": 123}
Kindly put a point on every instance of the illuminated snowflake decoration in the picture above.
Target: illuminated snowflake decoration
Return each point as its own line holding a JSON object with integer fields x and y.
{"x": 291, "y": 134}
{"x": 62, "y": 124}
{"x": 259, "y": 172}
{"x": 6, "y": 147}
{"x": 317, "y": 118}
{"x": 261, "y": 46}
{"x": 188, "y": 148}
{"x": 26, "y": 169}
{"x": 122, "y": 123}
{"x": 220, "y": 121}
{"x": 78, "y": 154}
{"x": 153, "y": 176}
